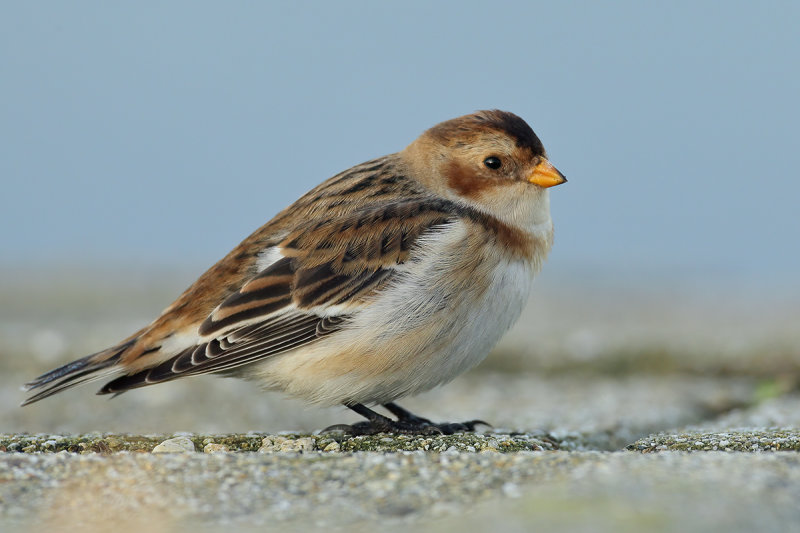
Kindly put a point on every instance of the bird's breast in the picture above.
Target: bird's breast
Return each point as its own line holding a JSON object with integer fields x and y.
{"x": 439, "y": 316}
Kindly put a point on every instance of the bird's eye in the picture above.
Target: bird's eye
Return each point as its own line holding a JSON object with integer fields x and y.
{"x": 493, "y": 162}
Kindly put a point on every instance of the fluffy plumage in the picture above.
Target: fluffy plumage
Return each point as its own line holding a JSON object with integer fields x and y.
{"x": 387, "y": 279}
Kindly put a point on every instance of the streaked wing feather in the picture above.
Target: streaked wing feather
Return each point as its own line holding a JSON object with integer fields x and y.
{"x": 288, "y": 305}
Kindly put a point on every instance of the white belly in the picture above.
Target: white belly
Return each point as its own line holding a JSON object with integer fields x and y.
{"x": 474, "y": 326}
{"x": 440, "y": 316}
{"x": 432, "y": 335}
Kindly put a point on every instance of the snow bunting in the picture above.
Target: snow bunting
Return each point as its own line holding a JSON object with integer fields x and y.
{"x": 386, "y": 280}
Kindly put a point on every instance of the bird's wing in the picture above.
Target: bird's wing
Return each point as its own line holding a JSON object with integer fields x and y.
{"x": 328, "y": 271}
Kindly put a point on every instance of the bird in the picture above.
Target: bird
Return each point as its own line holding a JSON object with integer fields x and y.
{"x": 386, "y": 280}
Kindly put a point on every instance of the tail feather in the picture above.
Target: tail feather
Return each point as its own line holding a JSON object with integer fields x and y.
{"x": 89, "y": 368}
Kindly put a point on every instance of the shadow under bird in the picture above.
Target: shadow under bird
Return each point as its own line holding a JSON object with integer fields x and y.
{"x": 386, "y": 280}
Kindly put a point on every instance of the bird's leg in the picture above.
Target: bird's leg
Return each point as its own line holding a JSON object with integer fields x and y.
{"x": 406, "y": 423}
{"x": 405, "y": 415}
{"x": 377, "y": 423}
{"x": 446, "y": 428}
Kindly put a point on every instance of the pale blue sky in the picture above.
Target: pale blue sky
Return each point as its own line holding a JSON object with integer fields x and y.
{"x": 162, "y": 133}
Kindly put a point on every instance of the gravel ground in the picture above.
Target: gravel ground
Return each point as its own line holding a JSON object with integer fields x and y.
{"x": 736, "y": 480}
{"x": 252, "y": 442}
{"x": 596, "y": 412}
{"x": 613, "y": 410}
{"x": 588, "y": 491}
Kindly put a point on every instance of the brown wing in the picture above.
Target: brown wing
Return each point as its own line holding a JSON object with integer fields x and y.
{"x": 328, "y": 271}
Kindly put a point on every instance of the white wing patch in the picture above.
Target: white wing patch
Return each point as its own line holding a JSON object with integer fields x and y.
{"x": 268, "y": 257}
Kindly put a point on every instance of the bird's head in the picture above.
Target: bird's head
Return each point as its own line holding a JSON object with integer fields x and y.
{"x": 490, "y": 159}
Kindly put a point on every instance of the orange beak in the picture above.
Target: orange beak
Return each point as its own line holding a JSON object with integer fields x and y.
{"x": 546, "y": 175}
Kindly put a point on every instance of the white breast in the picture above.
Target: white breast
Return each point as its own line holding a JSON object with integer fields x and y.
{"x": 487, "y": 321}
{"x": 472, "y": 318}
{"x": 440, "y": 316}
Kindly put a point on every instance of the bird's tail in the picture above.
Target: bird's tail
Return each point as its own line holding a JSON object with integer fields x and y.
{"x": 83, "y": 370}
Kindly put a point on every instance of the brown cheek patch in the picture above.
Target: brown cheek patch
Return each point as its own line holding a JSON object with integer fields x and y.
{"x": 464, "y": 180}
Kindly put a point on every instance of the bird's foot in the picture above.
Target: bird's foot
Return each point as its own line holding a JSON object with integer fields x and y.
{"x": 407, "y": 423}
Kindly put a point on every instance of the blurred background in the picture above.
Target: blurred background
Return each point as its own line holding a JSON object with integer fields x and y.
{"x": 140, "y": 142}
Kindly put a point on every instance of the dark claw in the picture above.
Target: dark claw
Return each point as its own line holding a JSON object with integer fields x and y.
{"x": 338, "y": 428}
{"x": 472, "y": 423}
{"x": 448, "y": 428}
{"x": 361, "y": 428}
{"x": 373, "y": 428}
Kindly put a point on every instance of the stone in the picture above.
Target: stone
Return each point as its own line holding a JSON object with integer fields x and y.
{"x": 212, "y": 447}
{"x": 175, "y": 445}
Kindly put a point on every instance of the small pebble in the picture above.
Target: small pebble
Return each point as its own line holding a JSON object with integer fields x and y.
{"x": 175, "y": 445}
{"x": 283, "y": 444}
{"x": 332, "y": 447}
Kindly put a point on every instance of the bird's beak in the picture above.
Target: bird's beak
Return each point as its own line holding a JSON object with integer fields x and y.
{"x": 546, "y": 175}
